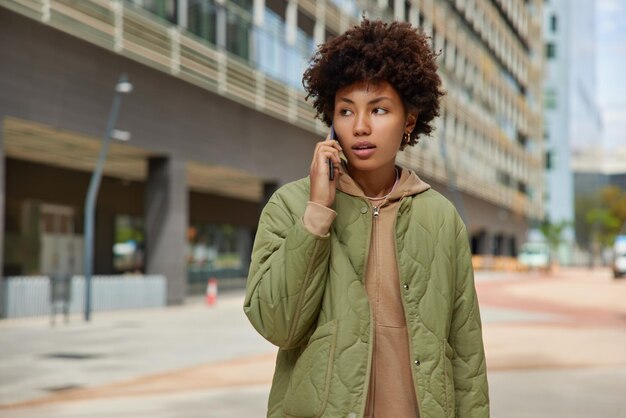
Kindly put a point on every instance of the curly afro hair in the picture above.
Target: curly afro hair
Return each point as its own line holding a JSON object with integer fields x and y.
{"x": 374, "y": 52}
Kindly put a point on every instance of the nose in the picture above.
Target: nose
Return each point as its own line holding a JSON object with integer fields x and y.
{"x": 361, "y": 125}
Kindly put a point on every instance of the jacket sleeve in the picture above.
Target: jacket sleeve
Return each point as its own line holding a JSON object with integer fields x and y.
{"x": 469, "y": 367}
{"x": 287, "y": 277}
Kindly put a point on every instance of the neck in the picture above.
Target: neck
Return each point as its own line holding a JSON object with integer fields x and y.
{"x": 374, "y": 183}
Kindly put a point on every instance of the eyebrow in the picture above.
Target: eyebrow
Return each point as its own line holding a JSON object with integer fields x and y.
{"x": 376, "y": 100}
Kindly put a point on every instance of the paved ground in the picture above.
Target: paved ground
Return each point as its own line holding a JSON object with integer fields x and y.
{"x": 556, "y": 347}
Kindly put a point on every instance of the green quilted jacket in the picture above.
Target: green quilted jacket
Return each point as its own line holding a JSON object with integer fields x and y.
{"x": 306, "y": 295}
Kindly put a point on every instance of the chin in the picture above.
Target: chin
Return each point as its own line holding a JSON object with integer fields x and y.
{"x": 365, "y": 165}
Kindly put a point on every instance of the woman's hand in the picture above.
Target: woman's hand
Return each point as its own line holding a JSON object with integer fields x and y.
{"x": 323, "y": 189}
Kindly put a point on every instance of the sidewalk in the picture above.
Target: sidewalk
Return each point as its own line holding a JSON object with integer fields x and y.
{"x": 556, "y": 347}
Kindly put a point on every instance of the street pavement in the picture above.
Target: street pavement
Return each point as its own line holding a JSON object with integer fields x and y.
{"x": 555, "y": 346}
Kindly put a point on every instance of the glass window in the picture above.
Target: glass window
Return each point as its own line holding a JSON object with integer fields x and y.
{"x": 220, "y": 251}
{"x": 202, "y": 19}
{"x": 165, "y": 9}
{"x": 238, "y": 30}
{"x": 550, "y": 98}
{"x": 548, "y": 160}
{"x": 128, "y": 244}
{"x": 349, "y": 7}
{"x": 275, "y": 57}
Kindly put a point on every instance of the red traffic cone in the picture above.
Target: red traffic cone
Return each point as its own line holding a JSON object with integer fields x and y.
{"x": 211, "y": 291}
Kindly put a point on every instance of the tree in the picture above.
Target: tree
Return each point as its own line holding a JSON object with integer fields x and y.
{"x": 615, "y": 200}
{"x": 604, "y": 225}
{"x": 553, "y": 233}
{"x": 606, "y": 219}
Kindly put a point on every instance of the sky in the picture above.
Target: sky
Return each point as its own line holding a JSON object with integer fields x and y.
{"x": 611, "y": 70}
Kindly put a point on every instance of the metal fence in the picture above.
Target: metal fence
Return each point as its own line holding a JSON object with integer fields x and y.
{"x": 29, "y": 296}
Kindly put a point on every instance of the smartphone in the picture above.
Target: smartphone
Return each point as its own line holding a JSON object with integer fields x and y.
{"x": 331, "y": 166}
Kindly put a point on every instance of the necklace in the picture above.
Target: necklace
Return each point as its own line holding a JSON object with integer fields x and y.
{"x": 391, "y": 191}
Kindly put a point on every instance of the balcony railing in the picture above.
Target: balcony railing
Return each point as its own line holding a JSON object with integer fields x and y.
{"x": 142, "y": 36}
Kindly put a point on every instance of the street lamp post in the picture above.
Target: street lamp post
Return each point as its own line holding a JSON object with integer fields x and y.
{"x": 123, "y": 87}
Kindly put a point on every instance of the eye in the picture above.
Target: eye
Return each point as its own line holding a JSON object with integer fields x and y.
{"x": 345, "y": 112}
{"x": 380, "y": 111}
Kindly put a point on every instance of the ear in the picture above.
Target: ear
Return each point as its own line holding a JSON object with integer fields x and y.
{"x": 411, "y": 120}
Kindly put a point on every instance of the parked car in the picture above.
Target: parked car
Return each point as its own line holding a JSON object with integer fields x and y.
{"x": 619, "y": 256}
{"x": 535, "y": 255}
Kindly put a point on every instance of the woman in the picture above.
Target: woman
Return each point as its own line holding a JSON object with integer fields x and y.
{"x": 365, "y": 282}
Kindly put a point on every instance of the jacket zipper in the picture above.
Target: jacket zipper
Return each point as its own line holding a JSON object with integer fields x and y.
{"x": 375, "y": 212}
{"x": 395, "y": 248}
{"x": 370, "y": 349}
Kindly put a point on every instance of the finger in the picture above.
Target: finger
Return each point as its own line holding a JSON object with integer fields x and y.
{"x": 335, "y": 157}
{"x": 330, "y": 148}
{"x": 321, "y": 164}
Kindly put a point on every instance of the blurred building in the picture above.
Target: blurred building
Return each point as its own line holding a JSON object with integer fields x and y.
{"x": 572, "y": 115}
{"x": 218, "y": 121}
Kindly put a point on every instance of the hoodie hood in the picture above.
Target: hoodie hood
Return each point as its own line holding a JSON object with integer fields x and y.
{"x": 409, "y": 184}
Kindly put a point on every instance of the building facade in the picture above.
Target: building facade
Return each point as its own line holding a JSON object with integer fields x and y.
{"x": 218, "y": 121}
{"x": 572, "y": 116}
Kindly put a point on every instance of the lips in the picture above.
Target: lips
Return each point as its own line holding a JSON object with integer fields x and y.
{"x": 364, "y": 149}
{"x": 363, "y": 145}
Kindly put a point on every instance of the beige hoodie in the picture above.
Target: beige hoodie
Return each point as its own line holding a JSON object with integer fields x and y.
{"x": 390, "y": 392}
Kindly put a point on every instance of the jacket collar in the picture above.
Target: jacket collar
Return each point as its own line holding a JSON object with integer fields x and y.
{"x": 409, "y": 184}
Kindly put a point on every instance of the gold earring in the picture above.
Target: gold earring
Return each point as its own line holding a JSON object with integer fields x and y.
{"x": 407, "y": 138}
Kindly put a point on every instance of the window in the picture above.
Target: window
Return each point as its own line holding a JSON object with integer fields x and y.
{"x": 553, "y": 23}
{"x": 238, "y": 29}
{"x": 165, "y": 9}
{"x": 522, "y": 188}
{"x": 504, "y": 178}
{"x": 128, "y": 247}
{"x": 221, "y": 251}
{"x": 549, "y": 160}
{"x": 522, "y": 139}
{"x": 550, "y": 98}
{"x": 202, "y": 20}
{"x": 550, "y": 50}
{"x": 278, "y": 59}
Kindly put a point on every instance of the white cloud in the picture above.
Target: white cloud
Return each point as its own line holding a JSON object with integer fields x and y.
{"x": 611, "y": 19}
{"x": 614, "y": 114}
{"x": 610, "y": 6}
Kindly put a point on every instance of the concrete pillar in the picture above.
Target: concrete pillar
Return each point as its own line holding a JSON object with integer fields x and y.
{"x": 490, "y": 241}
{"x": 2, "y": 203}
{"x": 181, "y": 13}
{"x": 166, "y": 221}
{"x": 220, "y": 36}
{"x": 256, "y": 45}
{"x": 399, "y": 10}
{"x": 291, "y": 22}
{"x": 414, "y": 15}
{"x": 258, "y": 13}
{"x": 319, "y": 31}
